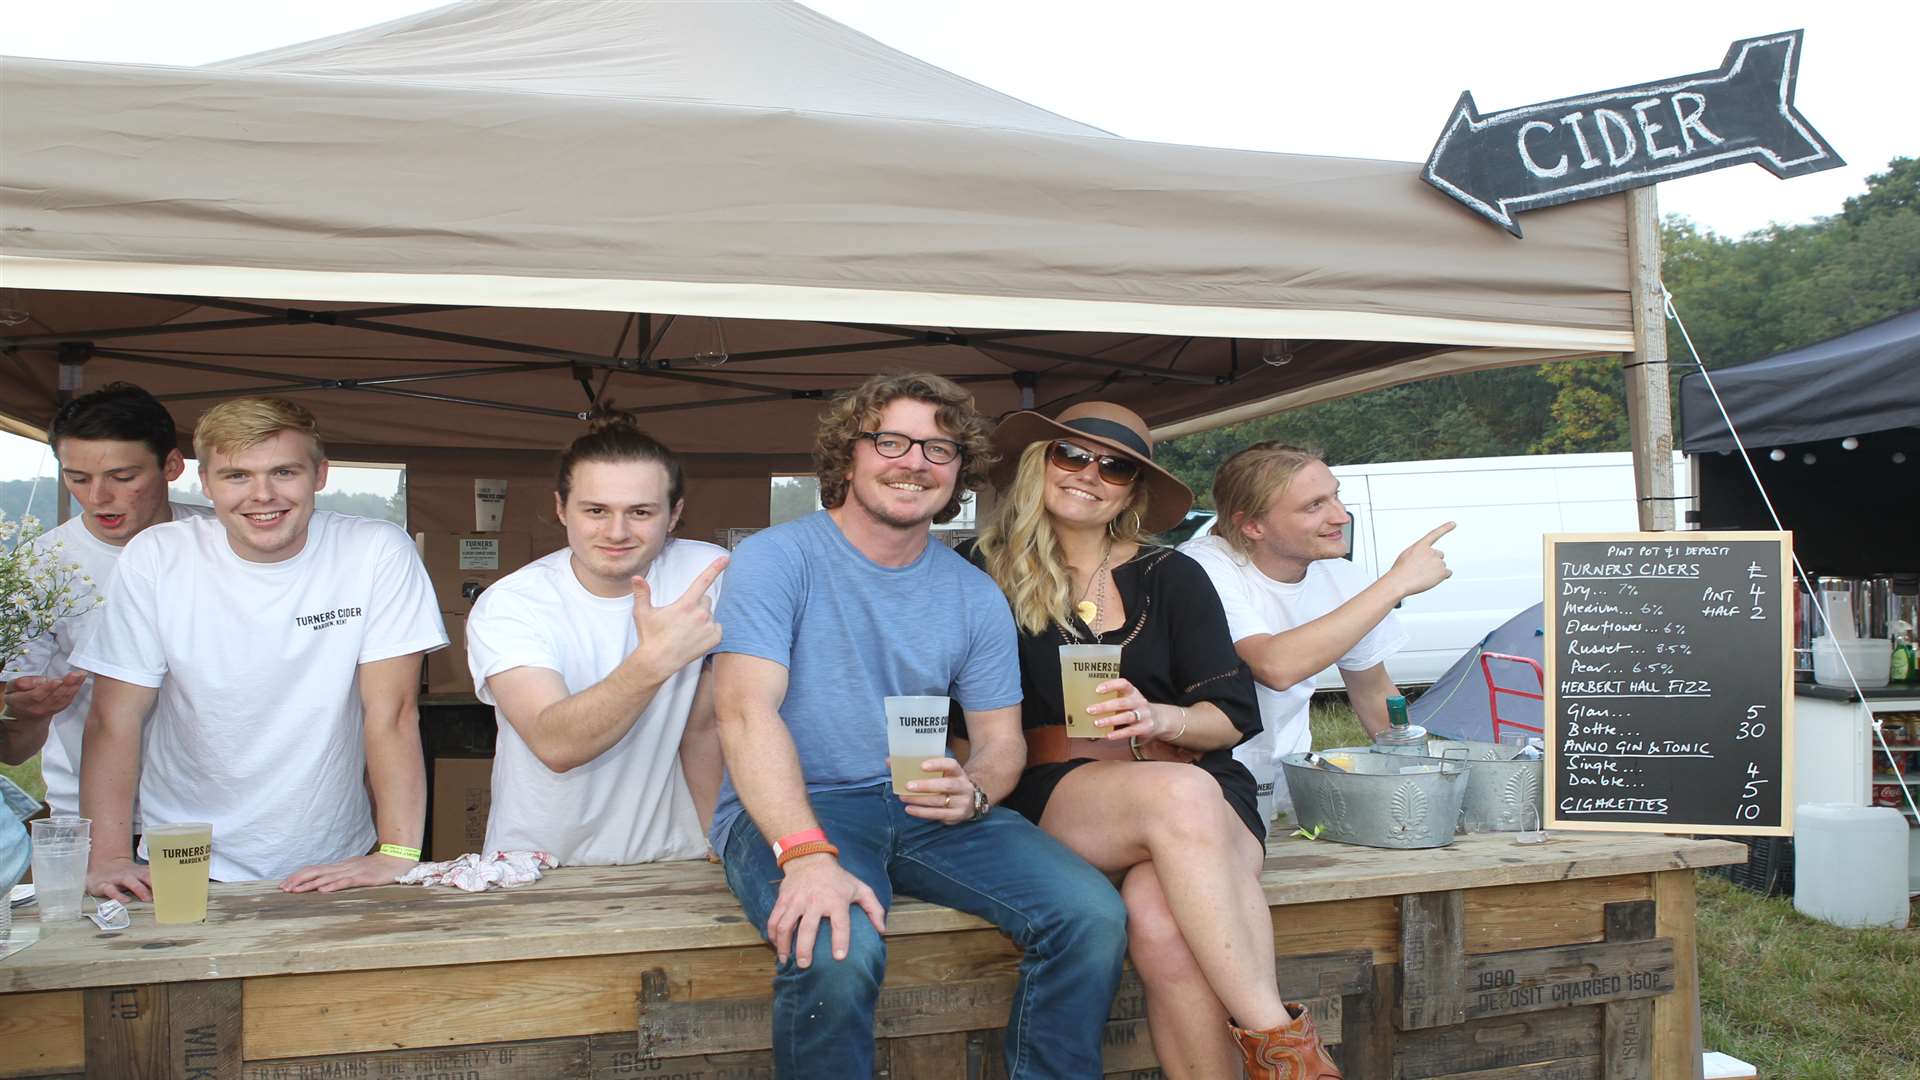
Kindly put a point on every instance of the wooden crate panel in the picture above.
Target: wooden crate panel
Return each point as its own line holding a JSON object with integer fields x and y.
{"x": 1547, "y": 913}
{"x": 1480, "y": 1046}
{"x": 546, "y": 1059}
{"x": 1367, "y": 923}
{"x": 1566, "y": 1069}
{"x": 127, "y": 1033}
{"x": 1499, "y": 984}
{"x": 42, "y": 1033}
{"x": 410, "y": 1008}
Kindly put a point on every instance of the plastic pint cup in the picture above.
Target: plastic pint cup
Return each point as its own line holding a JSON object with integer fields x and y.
{"x": 61, "y": 846}
{"x": 1082, "y": 668}
{"x": 180, "y": 856}
{"x": 489, "y": 505}
{"x": 916, "y": 731}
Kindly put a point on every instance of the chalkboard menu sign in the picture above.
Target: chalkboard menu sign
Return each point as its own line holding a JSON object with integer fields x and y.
{"x": 1669, "y": 682}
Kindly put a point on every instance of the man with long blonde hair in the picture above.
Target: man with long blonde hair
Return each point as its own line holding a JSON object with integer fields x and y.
{"x": 285, "y": 646}
{"x": 1295, "y": 605}
{"x": 823, "y": 619}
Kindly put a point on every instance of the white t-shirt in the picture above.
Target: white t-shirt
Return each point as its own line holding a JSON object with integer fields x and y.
{"x": 630, "y": 804}
{"x": 1256, "y": 604}
{"x": 49, "y": 654}
{"x": 259, "y": 727}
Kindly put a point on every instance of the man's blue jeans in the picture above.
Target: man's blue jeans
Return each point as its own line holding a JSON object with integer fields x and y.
{"x": 1062, "y": 912}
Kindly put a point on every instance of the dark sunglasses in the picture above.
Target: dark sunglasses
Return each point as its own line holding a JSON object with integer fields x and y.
{"x": 1114, "y": 469}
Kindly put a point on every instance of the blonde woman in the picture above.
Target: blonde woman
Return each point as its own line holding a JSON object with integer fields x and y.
{"x": 1159, "y": 802}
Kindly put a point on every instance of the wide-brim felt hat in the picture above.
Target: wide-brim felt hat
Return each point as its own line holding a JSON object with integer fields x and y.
{"x": 1112, "y": 427}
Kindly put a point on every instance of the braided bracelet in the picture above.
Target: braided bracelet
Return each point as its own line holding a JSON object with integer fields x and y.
{"x": 811, "y": 847}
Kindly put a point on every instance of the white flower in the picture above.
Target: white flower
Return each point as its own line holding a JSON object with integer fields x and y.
{"x": 36, "y": 585}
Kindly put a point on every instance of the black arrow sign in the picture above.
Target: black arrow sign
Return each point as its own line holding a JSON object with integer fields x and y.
{"x": 1597, "y": 144}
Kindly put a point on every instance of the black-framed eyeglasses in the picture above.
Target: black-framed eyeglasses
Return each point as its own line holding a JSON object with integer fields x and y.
{"x": 892, "y": 444}
{"x": 1114, "y": 469}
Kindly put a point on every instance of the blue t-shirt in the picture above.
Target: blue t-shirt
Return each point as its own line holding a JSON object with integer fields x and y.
{"x": 850, "y": 633}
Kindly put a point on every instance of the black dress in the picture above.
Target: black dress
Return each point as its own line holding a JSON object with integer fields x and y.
{"x": 1176, "y": 649}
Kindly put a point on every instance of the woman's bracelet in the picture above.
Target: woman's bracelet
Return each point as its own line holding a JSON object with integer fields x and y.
{"x": 1175, "y": 737}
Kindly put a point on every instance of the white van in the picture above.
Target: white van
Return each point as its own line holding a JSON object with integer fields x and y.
{"x": 1502, "y": 506}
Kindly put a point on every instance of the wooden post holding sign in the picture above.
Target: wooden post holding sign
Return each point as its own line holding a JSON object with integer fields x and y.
{"x": 1669, "y": 682}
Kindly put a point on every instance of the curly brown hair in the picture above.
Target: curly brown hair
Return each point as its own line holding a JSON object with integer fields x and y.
{"x": 858, "y": 409}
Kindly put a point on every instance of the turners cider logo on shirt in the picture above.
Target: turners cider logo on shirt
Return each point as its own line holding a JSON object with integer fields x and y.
{"x": 322, "y": 620}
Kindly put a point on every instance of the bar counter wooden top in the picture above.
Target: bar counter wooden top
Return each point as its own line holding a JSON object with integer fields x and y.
{"x": 576, "y": 956}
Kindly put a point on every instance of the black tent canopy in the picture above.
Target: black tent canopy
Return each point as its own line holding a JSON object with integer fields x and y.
{"x": 1833, "y": 432}
{"x": 1854, "y": 384}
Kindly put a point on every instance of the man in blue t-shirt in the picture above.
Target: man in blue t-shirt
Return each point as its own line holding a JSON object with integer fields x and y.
{"x": 822, "y": 619}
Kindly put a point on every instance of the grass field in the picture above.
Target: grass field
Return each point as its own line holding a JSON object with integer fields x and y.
{"x": 1797, "y": 998}
{"x": 27, "y": 775}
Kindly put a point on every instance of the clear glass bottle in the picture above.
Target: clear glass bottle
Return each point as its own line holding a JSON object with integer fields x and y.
{"x": 1400, "y": 737}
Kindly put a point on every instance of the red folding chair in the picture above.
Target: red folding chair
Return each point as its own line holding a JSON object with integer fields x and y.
{"x": 1494, "y": 690}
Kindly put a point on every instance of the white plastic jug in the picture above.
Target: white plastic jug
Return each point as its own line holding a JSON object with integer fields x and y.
{"x": 1850, "y": 864}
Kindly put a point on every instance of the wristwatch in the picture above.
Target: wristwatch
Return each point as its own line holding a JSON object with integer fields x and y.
{"x": 981, "y": 804}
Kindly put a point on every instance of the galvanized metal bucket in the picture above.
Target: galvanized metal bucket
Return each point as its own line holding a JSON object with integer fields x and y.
{"x": 1381, "y": 800}
{"x": 1504, "y": 793}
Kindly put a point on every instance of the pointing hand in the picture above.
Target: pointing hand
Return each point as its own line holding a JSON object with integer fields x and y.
{"x": 1422, "y": 566}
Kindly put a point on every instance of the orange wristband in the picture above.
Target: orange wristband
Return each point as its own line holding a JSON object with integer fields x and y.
{"x": 801, "y": 837}
{"x": 811, "y": 847}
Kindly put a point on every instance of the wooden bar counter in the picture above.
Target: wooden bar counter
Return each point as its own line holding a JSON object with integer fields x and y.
{"x": 1486, "y": 959}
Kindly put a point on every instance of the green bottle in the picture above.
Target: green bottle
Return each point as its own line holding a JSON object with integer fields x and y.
{"x": 1902, "y": 669}
{"x": 1397, "y": 711}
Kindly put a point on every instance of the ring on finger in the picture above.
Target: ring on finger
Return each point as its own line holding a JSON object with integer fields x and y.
{"x": 946, "y": 800}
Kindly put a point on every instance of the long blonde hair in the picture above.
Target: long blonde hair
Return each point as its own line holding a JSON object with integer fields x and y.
{"x": 1022, "y": 554}
{"x": 1247, "y": 484}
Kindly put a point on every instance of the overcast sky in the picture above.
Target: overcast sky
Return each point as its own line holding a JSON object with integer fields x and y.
{"x": 1353, "y": 79}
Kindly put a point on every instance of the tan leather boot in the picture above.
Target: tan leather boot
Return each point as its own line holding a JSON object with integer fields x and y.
{"x": 1292, "y": 1052}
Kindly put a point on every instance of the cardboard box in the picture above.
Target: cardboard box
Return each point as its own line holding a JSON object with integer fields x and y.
{"x": 462, "y": 564}
{"x": 447, "y": 671}
{"x": 462, "y": 798}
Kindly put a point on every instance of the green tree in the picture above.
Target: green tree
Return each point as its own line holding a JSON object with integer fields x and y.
{"x": 1890, "y": 192}
{"x": 1589, "y": 412}
{"x": 1742, "y": 299}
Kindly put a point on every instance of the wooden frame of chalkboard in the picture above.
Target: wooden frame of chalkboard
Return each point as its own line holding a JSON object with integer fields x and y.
{"x": 1669, "y": 682}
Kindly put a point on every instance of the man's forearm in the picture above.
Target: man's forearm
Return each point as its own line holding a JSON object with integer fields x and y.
{"x": 995, "y": 764}
{"x": 1283, "y": 660}
{"x": 577, "y": 729}
{"x": 765, "y": 767}
{"x": 1367, "y": 691}
{"x": 396, "y": 770}
{"x": 700, "y": 760}
{"x": 109, "y": 772}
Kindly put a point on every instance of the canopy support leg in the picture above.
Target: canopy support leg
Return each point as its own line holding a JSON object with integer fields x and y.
{"x": 1649, "y": 406}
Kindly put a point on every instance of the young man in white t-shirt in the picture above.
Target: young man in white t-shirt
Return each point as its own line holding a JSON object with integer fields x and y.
{"x": 118, "y": 450}
{"x": 1295, "y": 605}
{"x": 593, "y": 658}
{"x": 284, "y": 646}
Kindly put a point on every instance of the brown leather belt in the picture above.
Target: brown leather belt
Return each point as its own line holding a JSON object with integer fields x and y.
{"x": 1046, "y": 745}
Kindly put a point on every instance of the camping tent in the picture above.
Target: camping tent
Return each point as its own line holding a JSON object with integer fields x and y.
{"x": 452, "y": 231}
{"x": 1852, "y": 511}
{"x": 1461, "y": 705}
